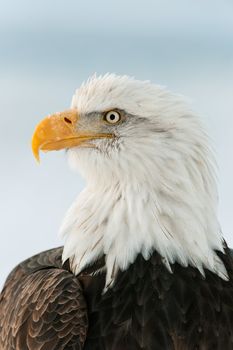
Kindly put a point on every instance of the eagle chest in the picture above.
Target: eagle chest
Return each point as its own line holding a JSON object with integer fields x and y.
{"x": 134, "y": 313}
{"x": 151, "y": 308}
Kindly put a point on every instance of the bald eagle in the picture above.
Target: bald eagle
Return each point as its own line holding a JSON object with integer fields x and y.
{"x": 144, "y": 264}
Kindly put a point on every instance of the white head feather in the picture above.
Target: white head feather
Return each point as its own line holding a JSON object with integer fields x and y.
{"x": 150, "y": 188}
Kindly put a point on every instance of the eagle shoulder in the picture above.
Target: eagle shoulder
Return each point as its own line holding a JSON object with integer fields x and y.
{"x": 42, "y": 306}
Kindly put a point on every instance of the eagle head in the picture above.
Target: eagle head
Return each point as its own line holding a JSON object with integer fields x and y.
{"x": 149, "y": 172}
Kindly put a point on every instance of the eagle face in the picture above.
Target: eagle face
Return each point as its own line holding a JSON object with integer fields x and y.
{"x": 119, "y": 121}
{"x": 148, "y": 166}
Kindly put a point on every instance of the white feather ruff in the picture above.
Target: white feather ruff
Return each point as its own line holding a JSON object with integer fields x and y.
{"x": 152, "y": 189}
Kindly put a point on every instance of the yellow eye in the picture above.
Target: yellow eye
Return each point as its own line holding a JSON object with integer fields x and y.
{"x": 112, "y": 117}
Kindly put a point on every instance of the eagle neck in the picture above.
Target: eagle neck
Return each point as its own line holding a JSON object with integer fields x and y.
{"x": 123, "y": 220}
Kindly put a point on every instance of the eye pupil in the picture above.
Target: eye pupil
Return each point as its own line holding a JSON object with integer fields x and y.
{"x": 112, "y": 117}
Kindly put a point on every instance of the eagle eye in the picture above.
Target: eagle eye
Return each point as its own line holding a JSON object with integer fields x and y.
{"x": 112, "y": 117}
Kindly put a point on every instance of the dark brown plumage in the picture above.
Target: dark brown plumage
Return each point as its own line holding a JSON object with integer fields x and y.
{"x": 44, "y": 306}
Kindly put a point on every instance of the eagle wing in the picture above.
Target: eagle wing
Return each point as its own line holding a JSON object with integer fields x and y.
{"x": 42, "y": 306}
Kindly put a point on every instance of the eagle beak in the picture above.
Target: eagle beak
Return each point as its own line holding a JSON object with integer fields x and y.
{"x": 60, "y": 131}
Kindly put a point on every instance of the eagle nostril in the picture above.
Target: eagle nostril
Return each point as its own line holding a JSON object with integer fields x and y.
{"x": 67, "y": 120}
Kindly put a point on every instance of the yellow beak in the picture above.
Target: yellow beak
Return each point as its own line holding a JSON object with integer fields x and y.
{"x": 60, "y": 131}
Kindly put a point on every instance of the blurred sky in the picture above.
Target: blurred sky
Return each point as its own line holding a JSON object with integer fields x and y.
{"x": 48, "y": 47}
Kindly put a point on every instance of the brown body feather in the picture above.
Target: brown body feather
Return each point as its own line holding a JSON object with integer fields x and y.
{"x": 44, "y": 306}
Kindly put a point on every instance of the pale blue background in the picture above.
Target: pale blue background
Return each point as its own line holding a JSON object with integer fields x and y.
{"x": 48, "y": 47}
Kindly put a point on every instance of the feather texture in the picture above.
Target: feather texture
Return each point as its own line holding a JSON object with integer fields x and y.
{"x": 43, "y": 306}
